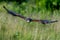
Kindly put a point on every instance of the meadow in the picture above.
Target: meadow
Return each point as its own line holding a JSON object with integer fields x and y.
{"x": 15, "y": 28}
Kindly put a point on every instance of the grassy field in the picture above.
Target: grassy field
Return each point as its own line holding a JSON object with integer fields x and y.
{"x": 15, "y": 28}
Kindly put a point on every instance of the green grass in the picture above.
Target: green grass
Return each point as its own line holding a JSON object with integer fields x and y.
{"x": 15, "y": 28}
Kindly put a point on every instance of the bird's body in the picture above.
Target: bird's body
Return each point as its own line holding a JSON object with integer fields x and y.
{"x": 28, "y": 19}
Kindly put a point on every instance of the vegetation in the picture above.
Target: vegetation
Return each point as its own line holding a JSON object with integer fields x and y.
{"x": 15, "y": 28}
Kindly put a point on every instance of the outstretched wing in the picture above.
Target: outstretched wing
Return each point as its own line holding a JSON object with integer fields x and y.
{"x": 45, "y": 21}
{"x": 53, "y": 21}
{"x": 48, "y": 21}
{"x": 13, "y": 13}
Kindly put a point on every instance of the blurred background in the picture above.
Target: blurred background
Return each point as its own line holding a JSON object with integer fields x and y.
{"x": 15, "y": 28}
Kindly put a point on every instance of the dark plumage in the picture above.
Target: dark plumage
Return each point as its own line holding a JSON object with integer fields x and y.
{"x": 29, "y": 19}
{"x": 13, "y": 13}
{"x": 47, "y": 21}
{"x": 9, "y": 11}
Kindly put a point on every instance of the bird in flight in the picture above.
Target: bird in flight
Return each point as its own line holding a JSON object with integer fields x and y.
{"x": 29, "y": 19}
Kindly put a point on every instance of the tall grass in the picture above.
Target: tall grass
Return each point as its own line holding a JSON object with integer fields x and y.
{"x": 15, "y": 28}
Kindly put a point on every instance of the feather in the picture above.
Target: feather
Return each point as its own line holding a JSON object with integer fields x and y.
{"x": 13, "y": 13}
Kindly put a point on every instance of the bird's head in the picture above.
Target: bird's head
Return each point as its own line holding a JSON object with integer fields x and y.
{"x": 28, "y": 20}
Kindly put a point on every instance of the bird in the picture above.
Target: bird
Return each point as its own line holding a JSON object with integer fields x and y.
{"x": 29, "y": 19}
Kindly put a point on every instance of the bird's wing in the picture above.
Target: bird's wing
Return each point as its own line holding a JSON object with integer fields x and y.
{"x": 53, "y": 21}
{"x": 19, "y": 15}
{"x": 36, "y": 20}
{"x": 13, "y": 13}
{"x": 10, "y": 12}
{"x": 45, "y": 21}
{"x": 48, "y": 21}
